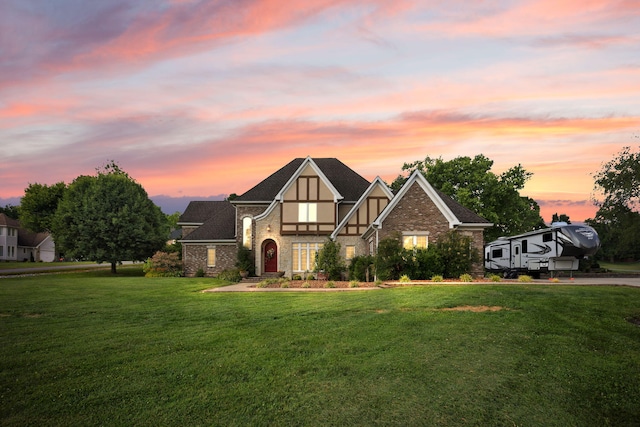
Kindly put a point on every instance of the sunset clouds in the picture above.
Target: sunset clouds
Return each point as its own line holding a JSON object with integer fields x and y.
{"x": 205, "y": 98}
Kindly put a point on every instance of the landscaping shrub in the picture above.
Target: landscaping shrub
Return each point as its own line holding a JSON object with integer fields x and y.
{"x": 359, "y": 265}
{"x": 330, "y": 284}
{"x": 466, "y": 278}
{"x": 429, "y": 263}
{"x": 354, "y": 284}
{"x": 230, "y": 275}
{"x": 389, "y": 261}
{"x": 456, "y": 253}
{"x": 163, "y": 264}
{"x": 437, "y": 278}
{"x": 245, "y": 260}
{"x": 405, "y": 279}
{"x": 329, "y": 261}
{"x": 525, "y": 278}
{"x": 495, "y": 278}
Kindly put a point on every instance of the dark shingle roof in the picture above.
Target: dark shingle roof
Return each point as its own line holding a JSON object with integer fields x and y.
{"x": 8, "y": 221}
{"x": 199, "y": 211}
{"x": 464, "y": 215}
{"x": 29, "y": 239}
{"x": 219, "y": 221}
{"x": 348, "y": 183}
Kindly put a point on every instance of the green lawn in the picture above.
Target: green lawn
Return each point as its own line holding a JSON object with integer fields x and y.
{"x": 621, "y": 267}
{"x": 90, "y": 349}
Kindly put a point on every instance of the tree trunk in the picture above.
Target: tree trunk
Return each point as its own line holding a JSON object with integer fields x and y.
{"x": 113, "y": 268}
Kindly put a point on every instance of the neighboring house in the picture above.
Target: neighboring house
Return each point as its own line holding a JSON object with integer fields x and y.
{"x": 286, "y": 218}
{"x": 19, "y": 244}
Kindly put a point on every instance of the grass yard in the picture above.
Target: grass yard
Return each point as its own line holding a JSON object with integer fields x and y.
{"x": 91, "y": 349}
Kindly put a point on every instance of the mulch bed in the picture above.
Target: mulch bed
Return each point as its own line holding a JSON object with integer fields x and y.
{"x": 317, "y": 284}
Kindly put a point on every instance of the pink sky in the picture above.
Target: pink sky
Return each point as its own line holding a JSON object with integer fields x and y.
{"x": 205, "y": 98}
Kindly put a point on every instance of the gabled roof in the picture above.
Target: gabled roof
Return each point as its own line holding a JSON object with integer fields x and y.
{"x": 219, "y": 222}
{"x": 8, "y": 221}
{"x": 455, "y": 213}
{"x": 378, "y": 182}
{"x": 26, "y": 238}
{"x": 29, "y": 239}
{"x": 199, "y": 211}
{"x": 349, "y": 184}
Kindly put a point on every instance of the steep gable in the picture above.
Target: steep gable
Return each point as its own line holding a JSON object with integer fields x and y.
{"x": 349, "y": 184}
{"x": 454, "y": 213}
{"x": 366, "y": 210}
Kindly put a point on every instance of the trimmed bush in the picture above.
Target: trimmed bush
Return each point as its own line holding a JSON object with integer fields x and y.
{"x": 230, "y": 275}
{"x": 163, "y": 264}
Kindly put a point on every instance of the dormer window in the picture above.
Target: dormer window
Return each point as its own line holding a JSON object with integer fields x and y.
{"x": 307, "y": 212}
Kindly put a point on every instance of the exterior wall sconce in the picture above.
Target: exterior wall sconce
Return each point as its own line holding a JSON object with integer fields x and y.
{"x": 269, "y": 228}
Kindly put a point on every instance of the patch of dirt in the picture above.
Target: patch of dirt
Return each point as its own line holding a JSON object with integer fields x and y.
{"x": 634, "y": 320}
{"x": 474, "y": 308}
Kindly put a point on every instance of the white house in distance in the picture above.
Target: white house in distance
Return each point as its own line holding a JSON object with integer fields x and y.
{"x": 19, "y": 244}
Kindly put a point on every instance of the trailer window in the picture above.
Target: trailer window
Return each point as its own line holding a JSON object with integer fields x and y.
{"x": 496, "y": 253}
{"x": 524, "y": 246}
{"x": 547, "y": 237}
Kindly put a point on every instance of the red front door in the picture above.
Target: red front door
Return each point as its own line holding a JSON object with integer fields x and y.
{"x": 270, "y": 257}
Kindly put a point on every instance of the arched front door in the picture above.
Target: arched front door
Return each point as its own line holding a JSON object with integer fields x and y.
{"x": 270, "y": 254}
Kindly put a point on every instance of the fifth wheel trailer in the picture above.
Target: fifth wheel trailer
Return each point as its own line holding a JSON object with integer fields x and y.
{"x": 557, "y": 248}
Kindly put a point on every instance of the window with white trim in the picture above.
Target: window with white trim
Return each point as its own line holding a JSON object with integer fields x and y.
{"x": 211, "y": 257}
{"x": 246, "y": 232}
{"x": 307, "y": 212}
{"x": 415, "y": 241}
{"x": 304, "y": 256}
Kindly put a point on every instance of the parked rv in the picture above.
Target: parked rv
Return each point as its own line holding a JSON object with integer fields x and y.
{"x": 558, "y": 248}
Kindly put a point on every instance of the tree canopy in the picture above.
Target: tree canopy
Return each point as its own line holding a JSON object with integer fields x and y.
{"x": 108, "y": 218}
{"x": 39, "y": 205}
{"x": 618, "y": 220}
{"x": 470, "y": 182}
{"x": 619, "y": 180}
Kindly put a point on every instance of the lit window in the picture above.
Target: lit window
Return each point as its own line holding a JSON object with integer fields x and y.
{"x": 307, "y": 212}
{"x": 415, "y": 242}
{"x": 246, "y": 232}
{"x": 350, "y": 252}
{"x": 211, "y": 257}
{"x": 304, "y": 256}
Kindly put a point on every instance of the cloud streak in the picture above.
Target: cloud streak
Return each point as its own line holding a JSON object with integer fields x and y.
{"x": 201, "y": 98}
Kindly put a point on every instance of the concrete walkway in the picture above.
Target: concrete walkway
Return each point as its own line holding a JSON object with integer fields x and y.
{"x": 587, "y": 281}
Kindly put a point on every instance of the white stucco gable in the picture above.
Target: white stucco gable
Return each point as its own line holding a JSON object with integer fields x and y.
{"x": 308, "y": 162}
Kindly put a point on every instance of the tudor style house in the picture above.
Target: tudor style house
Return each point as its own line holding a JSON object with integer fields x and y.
{"x": 286, "y": 218}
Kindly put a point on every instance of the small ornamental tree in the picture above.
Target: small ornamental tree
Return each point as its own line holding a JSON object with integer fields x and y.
{"x": 328, "y": 259}
{"x": 163, "y": 264}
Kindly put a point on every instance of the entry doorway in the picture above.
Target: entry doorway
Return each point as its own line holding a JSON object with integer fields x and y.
{"x": 270, "y": 256}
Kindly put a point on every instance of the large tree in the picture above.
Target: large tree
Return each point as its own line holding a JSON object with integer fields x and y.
{"x": 618, "y": 218}
{"x": 39, "y": 205}
{"x": 619, "y": 180}
{"x": 471, "y": 183}
{"x": 109, "y": 218}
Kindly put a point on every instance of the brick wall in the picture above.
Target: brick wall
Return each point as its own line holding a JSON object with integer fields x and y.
{"x": 195, "y": 256}
{"x": 417, "y": 213}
